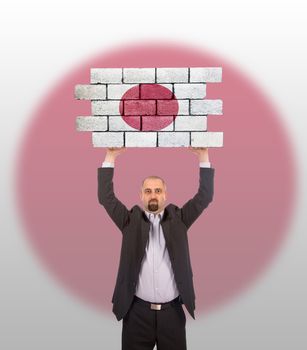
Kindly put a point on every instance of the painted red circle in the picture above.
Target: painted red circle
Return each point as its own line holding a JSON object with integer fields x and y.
{"x": 232, "y": 242}
{"x": 149, "y": 107}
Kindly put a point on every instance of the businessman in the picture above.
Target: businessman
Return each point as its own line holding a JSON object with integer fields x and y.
{"x": 155, "y": 275}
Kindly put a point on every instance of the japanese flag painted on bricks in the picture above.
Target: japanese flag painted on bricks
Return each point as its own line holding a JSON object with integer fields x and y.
{"x": 150, "y": 107}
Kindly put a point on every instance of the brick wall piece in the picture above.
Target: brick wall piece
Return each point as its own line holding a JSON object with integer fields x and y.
{"x": 183, "y": 105}
{"x": 105, "y": 108}
{"x": 205, "y": 75}
{"x": 204, "y": 107}
{"x": 141, "y": 139}
{"x": 172, "y": 75}
{"x": 116, "y": 91}
{"x": 184, "y": 123}
{"x": 171, "y": 139}
{"x": 139, "y": 75}
{"x": 90, "y": 92}
{"x": 206, "y": 139}
{"x": 192, "y": 91}
{"x": 108, "y": 139}
{"x": 106, "y": 75}
{"x": 92, "y": 123}
{"x": 117, "y": 123}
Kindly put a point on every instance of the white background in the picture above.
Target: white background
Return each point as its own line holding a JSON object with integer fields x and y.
{"x": 42, "y": 41}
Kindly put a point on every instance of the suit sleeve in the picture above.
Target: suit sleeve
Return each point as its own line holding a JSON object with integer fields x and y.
{"x": 192, "y": 209}
{"x": 114, "y": 207}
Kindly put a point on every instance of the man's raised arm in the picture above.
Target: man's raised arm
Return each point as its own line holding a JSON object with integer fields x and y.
{"x": 192, "y": 209}
{"x": 114, "y": 207}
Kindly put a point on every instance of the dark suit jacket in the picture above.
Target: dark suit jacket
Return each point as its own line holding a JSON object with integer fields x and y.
{"x": 134, "y": 226}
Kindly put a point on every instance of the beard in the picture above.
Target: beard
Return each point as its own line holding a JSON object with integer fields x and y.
{"x": 153, "y": 205}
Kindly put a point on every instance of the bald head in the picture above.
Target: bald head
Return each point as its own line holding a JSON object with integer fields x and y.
{"x": 153, "y": 193}
{"x": 154, "y": 177}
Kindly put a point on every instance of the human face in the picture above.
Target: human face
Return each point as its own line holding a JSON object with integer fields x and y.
{"x": 153, "y": 195}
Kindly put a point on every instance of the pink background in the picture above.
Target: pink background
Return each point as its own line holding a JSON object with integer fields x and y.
{"x": 231, "y": 244}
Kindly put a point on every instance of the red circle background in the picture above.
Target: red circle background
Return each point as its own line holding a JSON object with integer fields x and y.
{"x": 233, "y": 241}
{"x": 168, "y": 101}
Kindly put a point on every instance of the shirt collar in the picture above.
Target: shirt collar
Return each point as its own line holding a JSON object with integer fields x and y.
{"x": 160, "y": 214}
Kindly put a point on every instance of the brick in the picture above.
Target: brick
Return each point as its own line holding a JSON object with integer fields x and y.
{"x": 184, "y": 123}
{"x": 117, "y": 91}
{"x": 90, "y": 92}
{"x": 205, "y": 75}
{"x": 108, "y": 139}
{"x": 172, "y": 75}
{"x": 140, "y": 107}
{"x": 190, "y": 90}
{"x": 106, "y": 75}
{"x": 154, "y": 123}
{"x": 91, "y": 123}
{"x": 204, "y": 107}
{"x": 119, "y": 124}
{"x": 167, "y": 107}
{"x": 173, "y": 139}
{"x": 141, "y": 139}
{"x": 206, "y": 139}
{"x": 156, "y": 91}
{"x": 139, "y": 75}
{"x": 183, "y": 107}
{"x": 105, "y": 108}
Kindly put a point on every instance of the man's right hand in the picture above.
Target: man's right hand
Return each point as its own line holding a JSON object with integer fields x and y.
{"x": 113, "y": 152}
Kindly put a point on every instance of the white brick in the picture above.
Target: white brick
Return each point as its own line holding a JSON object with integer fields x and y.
{"x": 206, "y": 139}
{"x": 183, "y": 107}
{"x": 141, "y": 139}
{"x": 106, "y": 75}
{"x": 190, "y": 123}
{"x": 90, "y": 92}
{"x": 139, "y": 75}
{"x": 173, "y": 139}
{"x": 92, "y": 123}
{"x": 205, "y": 75}
{"x": 204, "y": 107}
{"x": 105, "y": 107}
{"x": 190, "y": 90}
{"x": 172, "y": 75}
{"x": 116, "y": 91}
{"x": 108, "y": 139}
{"x": 118, "y": 124}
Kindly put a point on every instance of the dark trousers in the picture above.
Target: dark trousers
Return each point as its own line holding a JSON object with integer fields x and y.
{"x": 143, "y": 327}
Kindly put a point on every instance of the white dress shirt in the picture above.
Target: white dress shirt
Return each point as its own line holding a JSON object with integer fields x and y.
{"x": 156, "y": 281}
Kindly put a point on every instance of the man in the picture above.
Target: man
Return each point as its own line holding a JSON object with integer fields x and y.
{"x": 155, "y": 275}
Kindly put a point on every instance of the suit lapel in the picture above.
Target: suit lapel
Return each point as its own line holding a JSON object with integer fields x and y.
{"x": 165, "y": 223}
{"x": 145, "y": 226}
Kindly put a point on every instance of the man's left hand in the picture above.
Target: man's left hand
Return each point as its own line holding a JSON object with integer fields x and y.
{"x": 201, "y": 152}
